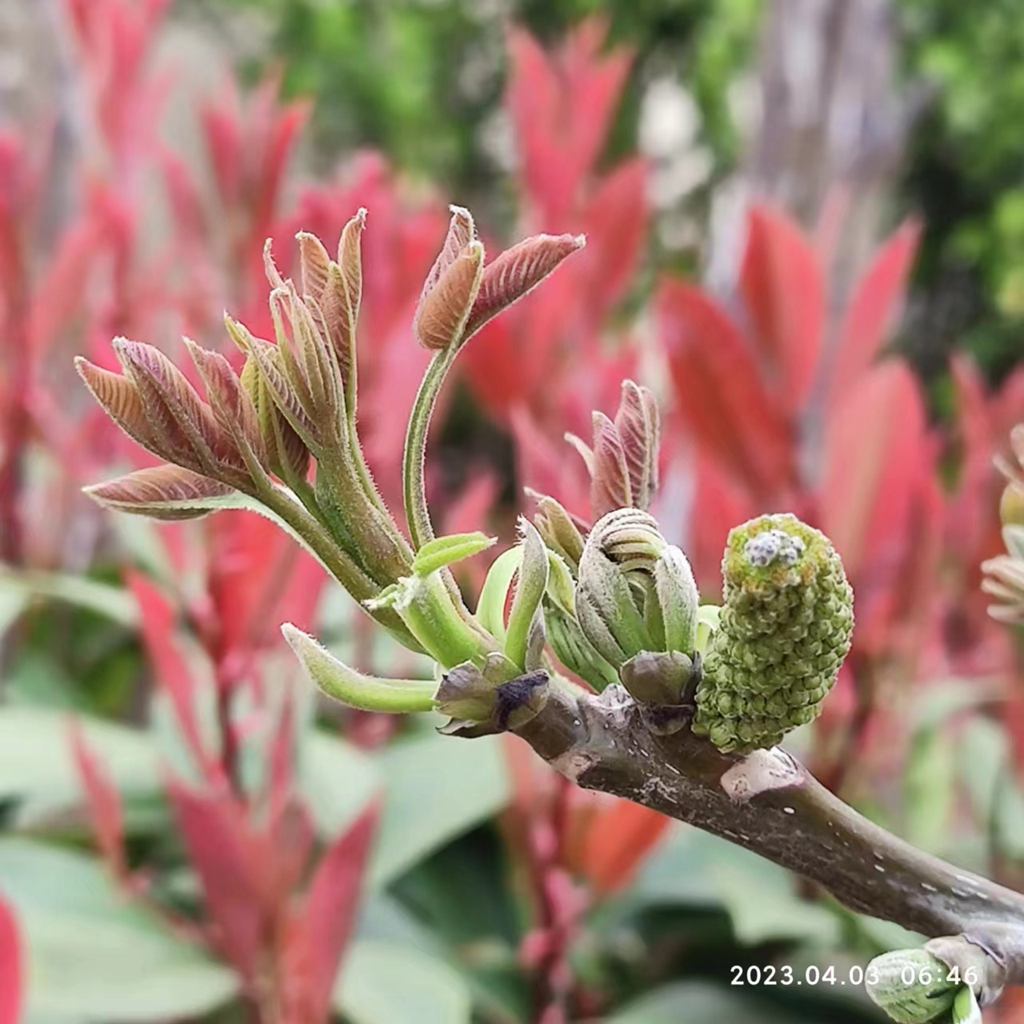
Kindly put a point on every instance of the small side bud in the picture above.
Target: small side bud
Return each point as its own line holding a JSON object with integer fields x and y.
{"x": 659, "y": 679}
{"x": 910, "y": 985}
{"x": 485, "y": 702}
{"x": 558, "y": 531}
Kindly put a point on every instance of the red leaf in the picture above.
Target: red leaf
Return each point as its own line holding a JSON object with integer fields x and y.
{"x": 11, "y": 967}
{"x": 231, "y": 868}
{"x": 561, "y": 106}
{"x": 173, "y": 674}
{"x": 875, "y": 447}
{"x": 104, "y": 802}
{"x": 719, "y": 392}
{"x": 782, "y": 286}
{"x": 331, "y": 906}
{"x": 618, "y": 839}
{"x": 615, "y": 223}
{"x": 874, "y": 307}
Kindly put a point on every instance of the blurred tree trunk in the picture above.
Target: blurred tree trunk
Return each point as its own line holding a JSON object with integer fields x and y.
{"x": 830, "y": 132}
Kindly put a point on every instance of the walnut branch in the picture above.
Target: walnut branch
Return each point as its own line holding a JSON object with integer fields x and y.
{"x": 769, "y": 803}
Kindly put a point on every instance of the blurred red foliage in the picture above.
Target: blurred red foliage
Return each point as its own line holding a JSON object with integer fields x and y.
{"x": 11, "y": 967}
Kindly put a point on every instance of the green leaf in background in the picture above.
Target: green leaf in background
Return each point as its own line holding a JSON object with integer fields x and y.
{"x": 108, "y": 600}
{"x": 37, "y": 768}
{"x": 387, "y": 983}
{"x": 337, "y": 780}
{"x": 694, "y": 868}
{"x": 694, "y": 1002}
{"x": 95, "y": 958}
{"x": 435, "y": 789}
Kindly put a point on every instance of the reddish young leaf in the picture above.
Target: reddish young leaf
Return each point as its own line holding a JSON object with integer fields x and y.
{"x": 873, "y": 308}
{"x": 638, "y": 423}
{"x": 11, "y": 966}
{"x": 610, "y": 486}
{"x": 516, "y": 272}
{"x": 875, "y": 446}
{"x": 719, "y": 391}
{"x": 782, "y": 286}
{"x": 160, "y": 492}
{"x": 104, "y": 802}
{"x": 443, "y": 312}
{"x": 331, "y": 907}
{"x": 617, "y": 840}
{"x": 173, "y": 674}
{"x": 231, "y": 869}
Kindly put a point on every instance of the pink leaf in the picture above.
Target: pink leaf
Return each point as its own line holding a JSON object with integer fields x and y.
{"x": 781, "y": 282}
{"x": 11, "y": 967}
{"x": 874, "y": 307}
{"x": 104, "y": 801}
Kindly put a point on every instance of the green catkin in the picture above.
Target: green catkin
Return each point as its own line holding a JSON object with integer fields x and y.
{"x": 784, "y": 631}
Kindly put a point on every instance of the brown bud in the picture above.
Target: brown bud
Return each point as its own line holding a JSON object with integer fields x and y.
{"x": 441, "y": 317}
{"x": 559, "y": 531}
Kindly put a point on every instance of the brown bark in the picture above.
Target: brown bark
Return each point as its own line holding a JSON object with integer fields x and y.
{"x": 769, "y": 803}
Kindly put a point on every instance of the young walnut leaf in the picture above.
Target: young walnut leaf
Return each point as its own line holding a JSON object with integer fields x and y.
{"x": 610, "y": 486}
{"x": 639, "y": 428}
{"x": 461, "y": 231}
{"x": 183, "y": 427}
{"x": 518, "y": 271}
{"x": 314, "y": 264}
{"x": 120, "y": 400}
{"x": 162, "y": 492}
{"x": 232, "y": 405}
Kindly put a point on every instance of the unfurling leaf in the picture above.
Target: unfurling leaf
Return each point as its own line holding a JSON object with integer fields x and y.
{"x": 368, "y": 693}
{"x": 461, "y": 231}
{"x": 183, "y": 428}
{"x": 287, "y": 453}
{"x": 490, "y": 609}
{"x": 443, "y": 311}
{"x": 610, "y": 482}
{"x": 517, "y": 271}
{"x": 444, "y": 551}
{"x": 231, "y": 403}
{"x": 638, "y": 424}
{"x": 120, "y": 400}
{"x": 163, "y": 492}
{"x": 559, "y": 531}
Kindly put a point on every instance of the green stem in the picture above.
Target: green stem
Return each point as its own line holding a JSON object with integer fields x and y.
{"x": 414, "y": 492}
{"x": 312, "y": 534}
